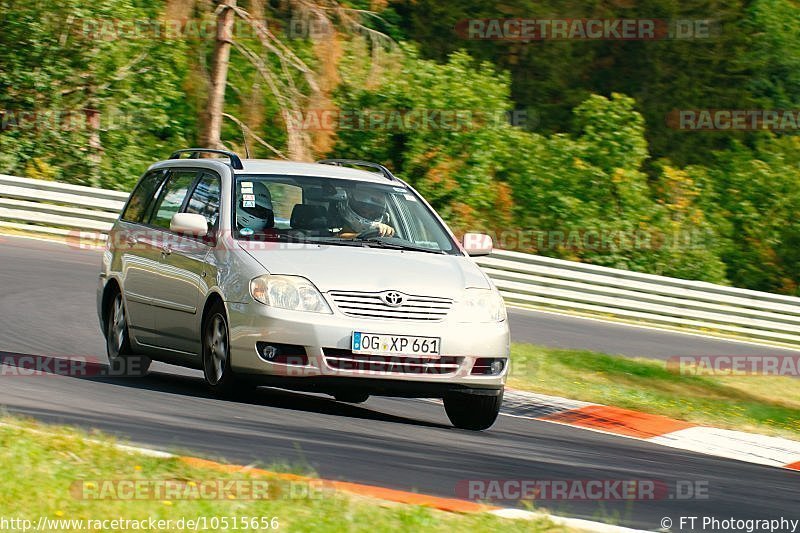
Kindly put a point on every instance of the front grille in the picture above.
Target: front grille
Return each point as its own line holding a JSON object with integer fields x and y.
{"x": 371, "y": 305}
{"x": 347, "y": 360}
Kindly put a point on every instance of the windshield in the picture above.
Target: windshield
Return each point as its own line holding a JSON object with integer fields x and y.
{"x": 331, "y": 211}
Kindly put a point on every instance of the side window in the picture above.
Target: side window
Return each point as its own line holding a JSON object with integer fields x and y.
{"x": 172, "y": 196}
{"x": 142, "y": 196}
{"x": 205, "y": 199}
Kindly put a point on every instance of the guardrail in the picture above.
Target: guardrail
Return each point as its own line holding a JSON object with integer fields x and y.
{"x": 658, "y": 300}
{"x": 62, "y": 209}
{"x": 57, "y": 208}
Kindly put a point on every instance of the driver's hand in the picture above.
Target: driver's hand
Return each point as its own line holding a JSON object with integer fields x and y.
{"x": 384, "y": 230}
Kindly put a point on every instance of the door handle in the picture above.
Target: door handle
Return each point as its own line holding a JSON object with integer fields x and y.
{"x": 166, "y": 250}
{"x": 132, "y": 241}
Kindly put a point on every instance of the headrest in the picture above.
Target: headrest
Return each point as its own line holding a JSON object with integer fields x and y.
{"x": 312, "y": 217}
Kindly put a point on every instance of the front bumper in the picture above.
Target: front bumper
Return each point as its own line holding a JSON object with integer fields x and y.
{"x": 252, "y": 323}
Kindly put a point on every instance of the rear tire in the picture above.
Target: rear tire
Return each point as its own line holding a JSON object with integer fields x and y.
{"x": 351, "y": 397}
{"x": 217, "y": 355}
{"x": 121, "y": 359}
{"x": 472, "y": 411}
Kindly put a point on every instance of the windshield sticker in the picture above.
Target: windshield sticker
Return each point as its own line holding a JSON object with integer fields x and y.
{"x": 247, "y": 185}
{"x": 410, "y": 197}
{"x": 248, "y": 196}
{"x": 246, "y": 232}
{"x": 248, "y": 203}
{"x": 400, "y": 189}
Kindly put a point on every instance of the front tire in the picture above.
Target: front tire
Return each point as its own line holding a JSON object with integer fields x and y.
{"x": 472, "y": 411}
{"x": 121, "y": 359}
{"x": 217, "y": 354}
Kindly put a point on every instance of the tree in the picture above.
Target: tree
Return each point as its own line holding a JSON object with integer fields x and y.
{"x": 76, "y": 87}
{"x": 289, "y": 97}
{"x": 219, "y": 74}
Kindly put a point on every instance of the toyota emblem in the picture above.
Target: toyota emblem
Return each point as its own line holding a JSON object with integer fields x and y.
{"x": 392, "y": 298}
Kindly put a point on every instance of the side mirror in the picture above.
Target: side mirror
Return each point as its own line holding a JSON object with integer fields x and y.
{"x": 189, "y": 224}
{"x": 476, "y": 244}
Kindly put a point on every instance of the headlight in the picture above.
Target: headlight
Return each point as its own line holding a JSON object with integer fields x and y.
{"x": 480, "y": 305}
{"x": 288, "y": 292}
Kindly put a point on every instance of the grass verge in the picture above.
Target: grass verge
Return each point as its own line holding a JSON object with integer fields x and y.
{"x": 761, "y": 404}
{"x": 61, "y": 473}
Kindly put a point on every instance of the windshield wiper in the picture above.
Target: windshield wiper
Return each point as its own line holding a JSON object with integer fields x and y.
{"x": 397, "y": 246}
{"x": 269, "y": 238}
{"x": 333, "y": 241}
{"x": 296, "y": 239}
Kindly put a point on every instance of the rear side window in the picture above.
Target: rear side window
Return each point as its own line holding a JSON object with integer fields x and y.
{"x": 142, "y": 196}
{"x": 172, "y": 197}
{"x": 205, "y": 199}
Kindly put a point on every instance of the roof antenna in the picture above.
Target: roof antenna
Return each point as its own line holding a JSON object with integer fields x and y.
{"x": 244, "y": 138}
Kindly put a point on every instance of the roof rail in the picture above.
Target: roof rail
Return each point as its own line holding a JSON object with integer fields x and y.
{"x": 358, "y": 163}
{"x": 236, "y": 162}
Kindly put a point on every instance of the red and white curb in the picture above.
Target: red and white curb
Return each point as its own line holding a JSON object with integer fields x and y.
{"x": 739, "y": 445}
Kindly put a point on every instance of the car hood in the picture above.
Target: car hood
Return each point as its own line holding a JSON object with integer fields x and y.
{"x": 374, "y": 269}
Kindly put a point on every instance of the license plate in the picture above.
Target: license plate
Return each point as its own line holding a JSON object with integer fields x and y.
{"x": 381, "y": 344}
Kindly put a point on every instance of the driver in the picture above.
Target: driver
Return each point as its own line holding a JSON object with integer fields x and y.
{"x": 364, "y": 210}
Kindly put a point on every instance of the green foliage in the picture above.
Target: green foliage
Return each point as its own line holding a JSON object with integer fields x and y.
{"x": 440, "y": 132}
{"x": 757, "y": 199}
{"x": 749, "y": 59}
{"x": 62, "y": 64}
{"x": 583, "y": 197}
{"x": 592, "y": 172}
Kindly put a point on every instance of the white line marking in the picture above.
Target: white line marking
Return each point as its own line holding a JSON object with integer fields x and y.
{"x": 749, "y": 447}
{"x": 138, "y": 450}
{"x": 577, "y": 523}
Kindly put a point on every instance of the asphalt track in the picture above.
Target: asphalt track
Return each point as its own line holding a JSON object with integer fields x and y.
{"x": 47, "y": 308}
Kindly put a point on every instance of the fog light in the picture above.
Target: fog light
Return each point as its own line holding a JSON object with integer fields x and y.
{"x": 488, "y": 366}
{"x": 496, "y": 367}
{"x": 269, "y": 352}
{"x": 285, "y": 354}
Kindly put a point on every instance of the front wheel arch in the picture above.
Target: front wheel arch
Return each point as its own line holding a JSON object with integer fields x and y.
{"x": 109, "y": 292}
{"x": 212, "y": 300}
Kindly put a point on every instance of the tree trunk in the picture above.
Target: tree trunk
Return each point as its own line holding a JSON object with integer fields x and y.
{"x": 211, "y": 137}
{"x": 95, "y": 144}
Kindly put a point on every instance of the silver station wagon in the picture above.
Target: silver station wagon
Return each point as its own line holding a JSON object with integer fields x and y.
{"x": 333, "y": 277}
